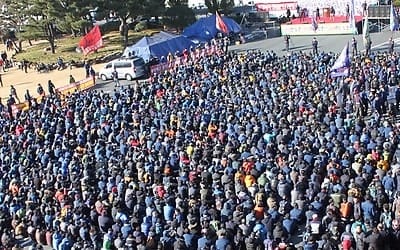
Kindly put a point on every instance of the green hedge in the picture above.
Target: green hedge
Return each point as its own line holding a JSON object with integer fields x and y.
{"x": 110, "y": 26}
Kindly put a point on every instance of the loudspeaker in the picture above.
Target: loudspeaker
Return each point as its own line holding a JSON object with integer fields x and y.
{"x": 382, "y": 11}
{"x": 372, "y": 11}
{"x": 385, "y": 11}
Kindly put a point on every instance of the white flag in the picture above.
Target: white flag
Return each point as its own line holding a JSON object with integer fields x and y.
{"x": 365, "y": 33}
{"x": 341, "y": 67}
{"x": 352, "y": 19}
{"x": 394, "y": 19}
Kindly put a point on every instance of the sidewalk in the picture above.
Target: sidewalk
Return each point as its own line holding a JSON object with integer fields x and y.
{"x": 23, "y": 81}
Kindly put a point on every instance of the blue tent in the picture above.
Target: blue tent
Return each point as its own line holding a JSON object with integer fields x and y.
{"x": 158, "y": 45}
{"x": 205, "y": 29}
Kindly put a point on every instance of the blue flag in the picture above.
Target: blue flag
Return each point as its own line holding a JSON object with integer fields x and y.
{"x": 342, "y": 65}
{"x": 394, "y": 19}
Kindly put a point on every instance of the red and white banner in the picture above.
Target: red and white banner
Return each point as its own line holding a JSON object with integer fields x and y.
{"x": 92, "y": 41}
{"x": 271, "y": 7}
{"x": 195, "y": 55}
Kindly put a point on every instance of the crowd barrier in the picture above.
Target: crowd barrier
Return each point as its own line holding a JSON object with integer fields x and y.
{"x": 62, "y": 91}
{"x": 194, "y": 55}
{"x": 76, "y": 86}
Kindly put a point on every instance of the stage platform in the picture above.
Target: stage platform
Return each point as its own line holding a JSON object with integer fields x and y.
{"x": 326, "y": 26}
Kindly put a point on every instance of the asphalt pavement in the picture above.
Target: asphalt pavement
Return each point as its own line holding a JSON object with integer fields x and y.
{"x": 331, "y": 43}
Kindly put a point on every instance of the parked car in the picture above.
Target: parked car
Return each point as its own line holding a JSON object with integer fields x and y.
{"x": 127, "y": 68}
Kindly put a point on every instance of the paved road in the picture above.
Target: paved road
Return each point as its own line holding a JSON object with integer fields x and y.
{"x": 108, "y": 86}
{"x": 333, "y": 43}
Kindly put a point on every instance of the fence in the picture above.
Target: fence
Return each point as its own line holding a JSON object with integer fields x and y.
{"x": 183, "y": 60}
{"x": 62, "y": 91}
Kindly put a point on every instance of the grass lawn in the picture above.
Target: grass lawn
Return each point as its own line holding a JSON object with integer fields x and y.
{"x": 66, "y": 48}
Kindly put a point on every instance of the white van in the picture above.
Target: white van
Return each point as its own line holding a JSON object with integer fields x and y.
{"x": 127, "y": 68}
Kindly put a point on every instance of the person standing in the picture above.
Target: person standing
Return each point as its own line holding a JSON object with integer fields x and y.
{"x": 93, "y": 74}
{"x": 115, "y": 78}
{"x": 315, "y": 46}
{"x": 25, "y": 65}
{"x": 332, "y": 13}
{"x": 287, "y": 41}
{"x": 391, "y": 45}
{"x": 354, "y": 46}
{"x": 51, "y": 88}
{"x": 28, "y": 98}
{"x": 40, "y": 90}
{"x": 288, "y": 14}
{"x": 10, "y": 103}
{"x": 317, "y": 15}
{"x": 87, "y": 68}
{"x": 347, "y": 12}
{"x": 368, "y": 45}
{"x": 13, "y": 93}
{"x": 365, "y": 8}
{"x": 71, "y": 79}
{"x": 226, "y": 44}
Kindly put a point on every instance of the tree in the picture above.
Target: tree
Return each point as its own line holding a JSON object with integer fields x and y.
{"x": 179, "y": 15}
{"x": 42, "y": 16}
{"x": 124, "y": 9}
{"x": 13, "y": 17}
{"x": 222, "y": 6}
{"x": 33, "y": 19}
{"x": 76, "y": 18}
{"x": 154, "y": 8}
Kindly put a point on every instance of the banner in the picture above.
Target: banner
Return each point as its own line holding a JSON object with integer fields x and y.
{"x": 63, "y": 91}
{"x": 282, "y": 6}
{"x": 162, "y": 67}
{"x": 92, "y": 41}
{"x": 77, "y": 86}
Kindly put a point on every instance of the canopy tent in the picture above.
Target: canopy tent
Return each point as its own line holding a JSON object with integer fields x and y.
{"x": 158, "y": 45}
{"x": 205, "y": 29}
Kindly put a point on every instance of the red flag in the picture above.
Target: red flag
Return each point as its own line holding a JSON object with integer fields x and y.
{"x": 220, "y": 24}
{"x": 92, "y": 41}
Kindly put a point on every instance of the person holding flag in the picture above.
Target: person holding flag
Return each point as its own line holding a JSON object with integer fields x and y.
{"x": 341, "y": 67}
{"x": 223, "y": 28}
